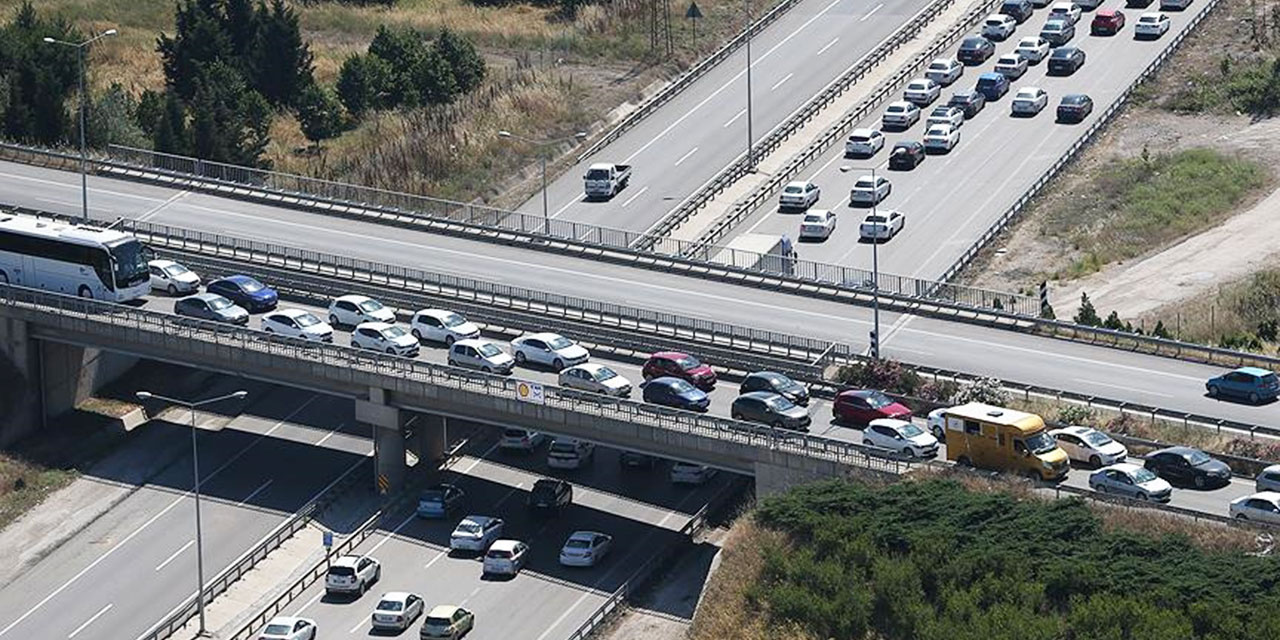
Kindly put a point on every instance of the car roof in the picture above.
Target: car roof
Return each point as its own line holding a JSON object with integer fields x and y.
{"x": 346, "y": 561}
{"x": 1126, "y": 467}
{"x": 474, "y": 342}
{"x": 1253, "y": 371}
{"x": 238, "y": 279}
{"x": 770, "y": 375}
{"x": 990, "y": 75}
{"x": 901, "y": 104}
{"x": 862, "y": 132}
{"x": 435, "y": 313}
{"x": 669, "y": 355}
{"x": 1107, "y": 12}
{"x": 547, "y": 481}
{"x": 758, "y": 395}
{"x": 353, "y": 298}
{"x": 1178, "y": 451}
{"x": 1062, "y": 4}
{"x": 161, "y": 262}
{"x": 1270, "y": 496}
{"x": 1152, "y": 14}
{"x": 668, "y": 381}
{"x": 396, "y": 595}
{"x": 904, "y": 144}
{"x": 586, "y": 535}
{"x": 798, "y": 183}
{"x": 1075, "y": 97}
{"x": 376, "y": 326}
{"x": 504, "y": 545}
{"x": 477, "y": 519}
{"x": 1009, "y": 56}
{"x": 924, "y": 81}
{"x": 892, "y": 423}
{"x": 443, "y": 611}
{"x": 289, "y": 620}
{"x": 1073, "y": 430}
{"x": 290, "y": 312}
{"x": 974, "y": 40}
{"x": 545, "y": 336}
{"x": 588, "y": 366}
{"x": 206, "y": 296}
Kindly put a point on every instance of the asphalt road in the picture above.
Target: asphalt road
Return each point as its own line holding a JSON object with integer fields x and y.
{"x": 1007, "y": 355}
{"x": 951, "y": 200}
{"x": 641, "y": 509}
{"x": 135, "y": 564}
{"x": 690, "y": 139}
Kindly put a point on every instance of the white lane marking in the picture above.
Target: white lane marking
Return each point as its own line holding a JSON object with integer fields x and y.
{"x": 175, "y": 555}
{"x": 433, "y": 560}
{"x": 330, "y": 434}
{"x": 735, "y": 117}
{"x": 512, "y": 492}
{"x": 360, "y": 624}
{"x": 90, "y": 620}
{"x": 67, "y": 185}
{"x": 871, "y": 12}
{"x": 685, "y": 156}
{"x": 579, "y": 274}
{"x": 829, "y": 45}
{"x": 148, "y": 523}
{"x": 779, "y": 83}
{"x": 1116, "y": 386}
{"x": 255, "y": 492}
{"x": 150, "y": 213}
{"x": 634, "y": 196}
{"x": 755, "y": 62}
{"x": 572, "y": 202}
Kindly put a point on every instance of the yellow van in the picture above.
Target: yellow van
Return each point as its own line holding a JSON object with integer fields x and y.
{"x": 988, "y": 437}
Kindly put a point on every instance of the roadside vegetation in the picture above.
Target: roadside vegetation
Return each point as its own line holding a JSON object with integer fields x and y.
{"x": 24, "y": 483}
{"x": 965, "y": 557}
{"x": 1244, "y": 314}
{"x": 542, "y": 68}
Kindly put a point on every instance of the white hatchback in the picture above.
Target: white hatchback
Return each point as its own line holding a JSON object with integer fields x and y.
{"x": 440, "y": 325}
{"x": 585, "y": 549}
{"x": 1011, "y": 66}
{"x": 548, "y": 349}
{"x": 1068, "y": 11}
{"x": 352, "y": 574}
{"x": 475, "y": 533}
{"x": 480, "y": 354}
{"x": 171, "y": 277}
{"x": 388, "y": 338}
{"x": 595, "y": 378}
{"x": 998, "y": 26}
{"x": 1033, "y": 48}
{"x": 349, "y": 311}
{"x": 505, "y": 557}
{"x": 864, "y": 143}
{"x": 798, "y": 195}
{"x": 569, "y": 453}
{"x": 900, "y": 436}
{"x": 297, "y": 323}
{"x": 1083, "y": 444}
{"x": 288, "y": 628}
{"x": 397, "y": 610}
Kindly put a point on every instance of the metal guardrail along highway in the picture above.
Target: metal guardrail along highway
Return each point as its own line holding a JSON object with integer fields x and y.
{"x": 742, "y": 165}
{"x": 834, "y": 134}
{"x": 1012, "y": 212}
{"x": 687, "y": 78}
{"x": 487, "y": 224}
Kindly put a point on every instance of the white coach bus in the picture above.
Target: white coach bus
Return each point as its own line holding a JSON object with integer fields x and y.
{"x": 67, "y": 258}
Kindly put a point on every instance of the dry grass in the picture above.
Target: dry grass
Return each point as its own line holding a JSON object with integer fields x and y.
{"x": 25, "y": 484}
{"x": 1156, "y": 524}
{"x": 726, "y": 611}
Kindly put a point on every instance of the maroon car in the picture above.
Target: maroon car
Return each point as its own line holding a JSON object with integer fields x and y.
{"x": 680, "y": 365}
{"x": 861, "y": 406}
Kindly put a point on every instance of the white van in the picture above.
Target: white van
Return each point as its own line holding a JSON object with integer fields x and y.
{"x": 569, "y": 453}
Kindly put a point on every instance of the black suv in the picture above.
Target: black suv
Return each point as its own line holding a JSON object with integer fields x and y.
{"x": 551, "y": 493}
{"x": 1065, "y": 61}
{"x": 975, "y": 50}
{"x": 906, "y": 155}
{"x": 971, "y": 101}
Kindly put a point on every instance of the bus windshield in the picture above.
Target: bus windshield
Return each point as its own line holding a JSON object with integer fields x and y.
{"x": 130, "y": 258}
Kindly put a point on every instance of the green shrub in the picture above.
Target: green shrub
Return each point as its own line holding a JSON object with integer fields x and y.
{"x": 1076, "y": 414}
{"x": 984, "y": 390}
{"x": 886, "y": 375}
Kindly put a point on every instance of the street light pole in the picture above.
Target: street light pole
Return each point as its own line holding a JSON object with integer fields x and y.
{"x": 546, "y": 216}
{"x": 195, "y": 469}
{"x": 875, "y": 277}
{"x": 84, "y": 162}
{"x": 751, "y": 154}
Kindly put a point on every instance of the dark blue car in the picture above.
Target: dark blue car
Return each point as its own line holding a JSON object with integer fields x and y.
{"x": 674, "y": 392}
{"x": 992, "y": 85}
{"x": 1246, "y": 383}
{"x": 246, "y": 292}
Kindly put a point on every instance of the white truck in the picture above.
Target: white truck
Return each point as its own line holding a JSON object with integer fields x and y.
{"x": 605, "y": 180}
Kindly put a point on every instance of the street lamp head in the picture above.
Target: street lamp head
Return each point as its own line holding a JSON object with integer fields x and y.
{"x": 50, "y": 40}
{"x": 143, "y": 395}
{"x": 580, "y": 135}
{"x": 504, "y": 134}
{"x": 240, "y": 395}
{"x": 109, "y": 32}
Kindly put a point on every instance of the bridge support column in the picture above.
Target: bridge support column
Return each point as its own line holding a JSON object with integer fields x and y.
{"x": 21, "y": 409}
{"x": 430, "y": 438}
{"x": 388, "y": 439}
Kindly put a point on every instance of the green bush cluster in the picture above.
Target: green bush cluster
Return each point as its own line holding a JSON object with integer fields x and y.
{"x": 403, "y": 68}
{"x": 931, "y": 560}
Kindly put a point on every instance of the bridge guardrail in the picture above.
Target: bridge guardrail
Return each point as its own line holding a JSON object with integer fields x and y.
{"x": 80, "y": 315}
{"x": 249, "y": 559}
{"x": 742, "y": 209}
{"x": 742, "y": 165}
{"x": 686, "y": 79}
{"x": 1066, "y": 158}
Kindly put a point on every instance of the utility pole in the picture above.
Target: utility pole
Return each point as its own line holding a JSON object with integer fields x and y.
{"x": 80, "y": 48}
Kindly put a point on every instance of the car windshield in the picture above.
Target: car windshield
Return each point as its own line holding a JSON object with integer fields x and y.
{"x": 393, "y": 331}
{"x": 1197, "y": 458}
{"x": 779, "y": 403}
{"x": 564, "y": 447}
{"x": 688, "y": 362}
{"x": 130, "y": 258}
{"x": 863, "y": 184}
{"x": 390, "y": 605}
{"x": 859, "y": 138}
{"x": 342, "y": 572}
{"x": 813, "y": 217}
{"x": 468, "y": 527}
{"x": 218, "y": 304}
{"x": 598, "y": 174}
{"x": 680, "y": 386}
{"x": 875, "y": 219}
{"x": 251, "y": 286}
{"x": 793, "y": 189}
{"x": 175, "y": 270}
{"x": 453, "y": 320}
{"x": 498, "y": 554}
{"x": 488, "y": 350}
{"x": 432, "y": 495}
{"x": 306, "y": 320}
{"x": 1041, "y": 443}
{"x": 577, "y": 543}
{"x": 1097, "y": 438}
{"x": 1142, "y": 475}
{"x": 910, "y": 430}
{"x": 437, "y": 622}
{"x": 559, "y": 342}
{"x": 369, "y": 306}
{"x": 277, "y": 629}
{"x": 605, "y": 373}
{"x": 877, "y": 400}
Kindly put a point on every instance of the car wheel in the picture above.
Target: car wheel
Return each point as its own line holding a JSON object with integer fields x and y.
{"x": 1141, "y": 497}
{"x": 937, "y": 432}
{"x": 417, "y": 335}
{"x": 486, "y": 369}
{"x": 1198, "y": 482}
{"x": 391, "y": 351}
{"x": 558, "y": 364}
{"x": 520, "y": 359}
{"x": 377, "y": 575}
{"x": 777, "y": 424}
{"x": 4, "y": 278}
{"x": 333, "y": 320}
{"x": 1095, "y": 462}
{"x": 964, "y": 461}
{"x": 173, "y": 291}
{"x": 1214, "y": 391}
{"x": 1253, "y": 398}
{"x": 736, "y": 415}
{"x": 85, "y": 292}
{"x": 1241, "y": 516}
{"x": 448, "y": 341}
{"x": 267, "y": 330}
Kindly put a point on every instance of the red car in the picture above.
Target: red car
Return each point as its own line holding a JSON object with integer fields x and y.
{"x": 1107, "y": 22}
{"x": 680, "y": 365}
{"x": 861, "y": 406}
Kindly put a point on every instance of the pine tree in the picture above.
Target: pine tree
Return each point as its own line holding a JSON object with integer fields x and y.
{"x": 363, "y": 83}
{"x": 229, "y": 120}
{"x": 403, "y": 50}
{"x": 281, "y": 61}
{"x": 1087, "y": 315}
{"x": 467, "y": 65}
{"x": 319, "y": 113}
{"x": 242, "y": 25}
{"x": 171, "y": 129}
{"x": 1113, "y": 322}
{"x": 199, "y": 40}
{"x": 434, "y": 79}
